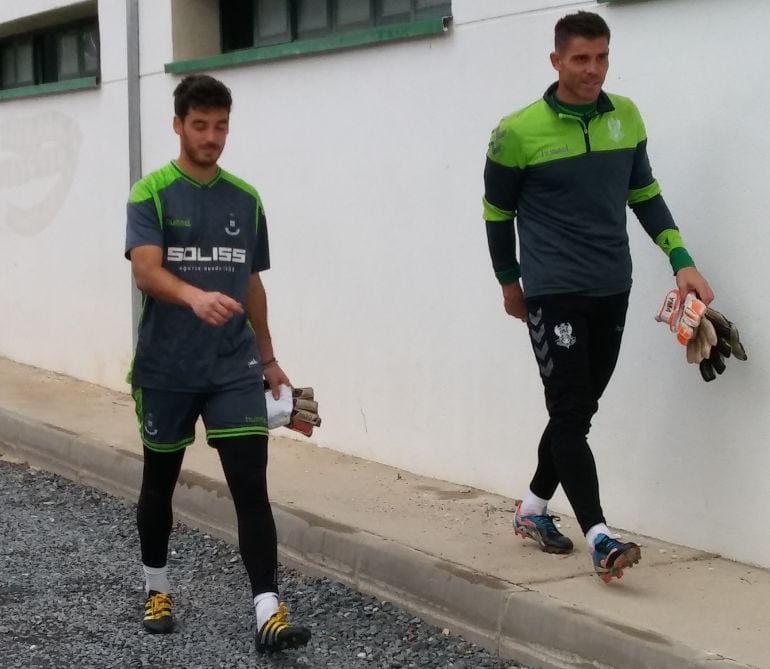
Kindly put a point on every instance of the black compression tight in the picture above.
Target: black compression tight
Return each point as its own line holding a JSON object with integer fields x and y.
{"x": 244, "y": 462}
{"x": 576, "y": 340}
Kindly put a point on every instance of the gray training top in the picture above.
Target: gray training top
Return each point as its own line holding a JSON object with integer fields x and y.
{"x": 214, "y": 236}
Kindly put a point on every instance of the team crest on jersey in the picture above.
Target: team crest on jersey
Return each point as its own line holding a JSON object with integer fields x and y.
{"x": 231, "y": 228}
{"x": 564, "y": 335}
{"x": 615, "y": 128}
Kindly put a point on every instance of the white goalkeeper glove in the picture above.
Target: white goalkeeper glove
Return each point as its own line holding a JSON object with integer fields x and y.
{"x": 681, "y": 315}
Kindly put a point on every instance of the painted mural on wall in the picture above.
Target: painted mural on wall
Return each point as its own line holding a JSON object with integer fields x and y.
{"x": 38, "y": 159}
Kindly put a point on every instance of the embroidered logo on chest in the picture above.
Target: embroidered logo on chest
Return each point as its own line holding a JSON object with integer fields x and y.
{"x": 615, "y": 128}
{"x": 232, "y": 228}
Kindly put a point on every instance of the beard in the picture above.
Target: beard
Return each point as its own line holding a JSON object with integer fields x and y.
{"x": 204, "y": 156}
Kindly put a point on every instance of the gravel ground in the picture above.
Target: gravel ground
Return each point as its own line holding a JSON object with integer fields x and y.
{"x": 71, "y": 595}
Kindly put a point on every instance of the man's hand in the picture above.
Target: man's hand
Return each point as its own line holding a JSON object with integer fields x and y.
{"x": 513, "y": 301}
{"x": 690, "y": 280}
{"x": 214, "y": 308}
{"x": 275, "y": 377}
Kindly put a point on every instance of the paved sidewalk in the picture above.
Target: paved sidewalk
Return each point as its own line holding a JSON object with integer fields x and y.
{"x": 442, "y": 550}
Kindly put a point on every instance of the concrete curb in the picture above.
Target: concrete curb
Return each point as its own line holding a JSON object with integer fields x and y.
{"x": 511, "y": 620}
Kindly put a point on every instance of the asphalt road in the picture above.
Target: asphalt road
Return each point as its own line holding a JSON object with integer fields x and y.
{"x": 71, "y": 595}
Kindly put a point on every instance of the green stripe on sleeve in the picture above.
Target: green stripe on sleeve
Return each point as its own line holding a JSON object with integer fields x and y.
{"x": 637, "y": 195}
{"x": 668, "y": 240}
{"x": 493, "y": 213}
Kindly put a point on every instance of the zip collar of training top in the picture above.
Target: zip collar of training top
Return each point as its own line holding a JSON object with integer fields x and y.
{"x": 603, "y": 102}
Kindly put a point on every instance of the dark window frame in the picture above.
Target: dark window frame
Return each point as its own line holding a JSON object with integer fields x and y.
{"x": 249, "y": 13}
{"x": 278, "y": 38}
{"x": 46, "y": 55}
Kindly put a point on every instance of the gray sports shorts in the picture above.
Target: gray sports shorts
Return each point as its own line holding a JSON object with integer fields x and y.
{"x": 167, "y": 418}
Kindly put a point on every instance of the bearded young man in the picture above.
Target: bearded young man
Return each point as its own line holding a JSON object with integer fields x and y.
{"x": 197, "y": 240}
{"x": 564, "y": 168}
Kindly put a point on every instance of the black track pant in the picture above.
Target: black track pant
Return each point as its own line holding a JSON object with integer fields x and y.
{"x": 576, "y": 341}
{"x": 244, "y": 462}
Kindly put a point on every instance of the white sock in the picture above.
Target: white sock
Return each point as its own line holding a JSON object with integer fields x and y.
{"x": 155, "y": 578}
{"x": 595, "y": 531}
{"x": 265, "y": 604}
{"x": 532, "y": 505}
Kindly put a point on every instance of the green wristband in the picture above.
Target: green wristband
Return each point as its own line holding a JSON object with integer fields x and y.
{"x": 679, "y": 258}
{"x": 508, "y": 275}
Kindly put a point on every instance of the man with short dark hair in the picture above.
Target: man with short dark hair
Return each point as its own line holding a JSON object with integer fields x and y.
{"x": 564, "y": 169}
{"x": 197, "y": 240}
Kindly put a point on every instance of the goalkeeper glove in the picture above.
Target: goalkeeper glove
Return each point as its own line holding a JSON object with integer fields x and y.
{"x": 728, "y": 338}
{"x": 708, "y": 335}
{"x": 727, "y": 342}
{"x": 681, "y": 315}
{"x": 295, "y": 408}
{"x": 305, "y": 416}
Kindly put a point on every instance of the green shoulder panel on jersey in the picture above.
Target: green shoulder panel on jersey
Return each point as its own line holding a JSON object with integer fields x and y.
{"x": 244, "y": 186}
{"x": 505, "y": 145}
{"x": 147, "y": 187}
{"x": 538, "y": 134}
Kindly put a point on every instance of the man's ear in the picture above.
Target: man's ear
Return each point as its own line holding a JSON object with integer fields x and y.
{"x": 177, "y": 125}
{"x": 555, "y": 60}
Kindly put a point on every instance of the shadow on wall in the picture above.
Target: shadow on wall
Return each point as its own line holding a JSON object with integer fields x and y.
{"x": 38, "y": 158}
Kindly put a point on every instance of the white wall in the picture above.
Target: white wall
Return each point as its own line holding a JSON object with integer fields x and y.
{"x": 63, "y": 181}
{"x": 381, "y": 293}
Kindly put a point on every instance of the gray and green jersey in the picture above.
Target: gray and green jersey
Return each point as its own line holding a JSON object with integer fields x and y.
{"x": 213, "y": 236}
{"x": 565, "y": 178}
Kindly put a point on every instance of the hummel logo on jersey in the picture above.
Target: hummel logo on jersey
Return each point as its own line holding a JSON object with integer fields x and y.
{"x": 554, "y": 151}
{"x": 253, "y": 363}
{"x": 178, "y": 222}
{"x": 231, "y": 228}
{"x": 194, "y": 253}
